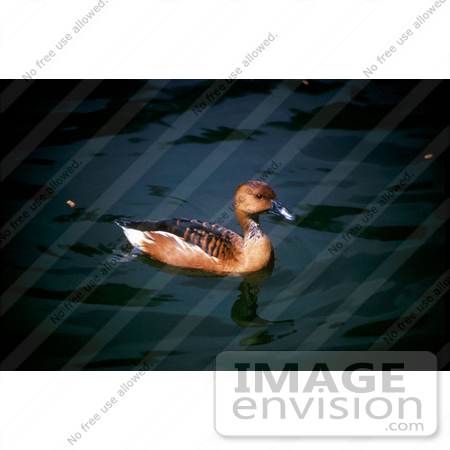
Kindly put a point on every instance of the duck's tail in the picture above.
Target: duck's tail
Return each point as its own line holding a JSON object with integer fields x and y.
{"x": 135, "y": 237}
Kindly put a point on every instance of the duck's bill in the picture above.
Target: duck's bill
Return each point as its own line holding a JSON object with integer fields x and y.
{"x": 279, "y": 210}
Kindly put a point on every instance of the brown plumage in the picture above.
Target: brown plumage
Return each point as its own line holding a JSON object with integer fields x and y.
{"x": 206, "y": 246}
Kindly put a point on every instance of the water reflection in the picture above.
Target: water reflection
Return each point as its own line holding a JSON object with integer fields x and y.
{"x": 243, "y": 312}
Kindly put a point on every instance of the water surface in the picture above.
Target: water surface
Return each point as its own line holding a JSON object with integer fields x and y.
{"x": 328, "y": 148}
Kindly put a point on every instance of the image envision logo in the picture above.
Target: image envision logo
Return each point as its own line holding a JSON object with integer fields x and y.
{"x": 326, "y": 393}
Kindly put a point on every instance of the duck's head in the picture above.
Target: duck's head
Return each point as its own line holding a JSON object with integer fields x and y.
{"x": 256, "y": 197}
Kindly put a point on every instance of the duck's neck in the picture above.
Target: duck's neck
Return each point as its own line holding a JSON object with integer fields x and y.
{"x": 250, "y": 225}
{"x": 257, "y": 250}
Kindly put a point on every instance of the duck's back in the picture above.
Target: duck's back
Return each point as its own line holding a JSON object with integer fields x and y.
{"x": 185, "y": 243}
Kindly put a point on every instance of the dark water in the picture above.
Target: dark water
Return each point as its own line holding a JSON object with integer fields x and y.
{"x": 332, "y": 147}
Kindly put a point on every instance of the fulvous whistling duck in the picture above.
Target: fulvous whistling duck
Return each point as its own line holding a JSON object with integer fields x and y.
{"x": 210, "y": 247}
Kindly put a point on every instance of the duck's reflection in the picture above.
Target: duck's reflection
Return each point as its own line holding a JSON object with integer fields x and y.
{"x": 243, "y": 311}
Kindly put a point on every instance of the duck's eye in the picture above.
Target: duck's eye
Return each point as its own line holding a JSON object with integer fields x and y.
{"x": 259, "y": 196}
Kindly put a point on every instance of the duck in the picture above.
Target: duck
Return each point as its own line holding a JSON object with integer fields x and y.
{"x": 206, "y": 246}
